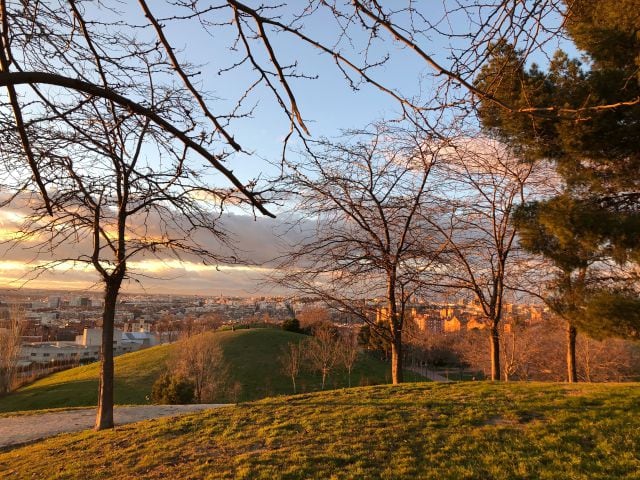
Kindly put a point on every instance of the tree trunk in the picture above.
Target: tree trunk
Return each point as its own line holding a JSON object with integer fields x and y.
{"x": 396, "y": 359}
{"x": 495, "y": 352}
{"x": 104, "y": 419}
{"x": 395, "y": 329}
{"x": 572, "y": 372}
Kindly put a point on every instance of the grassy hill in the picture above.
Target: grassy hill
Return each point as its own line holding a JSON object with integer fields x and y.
{"x": 251, "y": 356}
{"x": 253, "y": 359}
{"x": 472, "y": 430}
{"x": 135, "y": 373}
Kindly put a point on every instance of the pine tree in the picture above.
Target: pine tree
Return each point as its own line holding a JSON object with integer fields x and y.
{"x": 596, "y": 151}
{"x": 561, "y": 230}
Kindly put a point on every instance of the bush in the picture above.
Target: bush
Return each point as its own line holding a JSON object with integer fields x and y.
{"x": 291, "y": 325}
{"x": 172, "y": 390}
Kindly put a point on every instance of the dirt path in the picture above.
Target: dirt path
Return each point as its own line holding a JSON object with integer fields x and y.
{"x": 28, "y": 428}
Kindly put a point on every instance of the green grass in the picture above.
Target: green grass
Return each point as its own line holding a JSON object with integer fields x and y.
{"x": 474, "y": 430}
{"x": 77, "y": 387}
{"x": 251, "y": 355}
{"x": 253, "y": 359}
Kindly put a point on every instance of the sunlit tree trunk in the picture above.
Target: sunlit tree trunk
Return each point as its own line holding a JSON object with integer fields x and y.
{"x": 396, "y": 361}
{"x": 395, "y": 330}
{"x": 494, "y": 337}
{"x": 104, "y": 418}
{"x": 572, "y": 372}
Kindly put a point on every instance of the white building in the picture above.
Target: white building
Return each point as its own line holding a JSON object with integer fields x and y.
{"x": 48, "y": 352}
{"x": 93, "y": 336}
{"x": 86, "y": 347}
{"x": 139, "y": 339}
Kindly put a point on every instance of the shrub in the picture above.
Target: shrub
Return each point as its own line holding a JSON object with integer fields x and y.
{"x": 172, "y": 390}
{"x": 291, "y": 325}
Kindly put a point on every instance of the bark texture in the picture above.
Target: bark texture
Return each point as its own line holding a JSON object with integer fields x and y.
{"x": 572, "y": 371}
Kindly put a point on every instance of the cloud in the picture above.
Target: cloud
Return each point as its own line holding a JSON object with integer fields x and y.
{"x": 252, "y": 243}
{"x": 147, "y": 276}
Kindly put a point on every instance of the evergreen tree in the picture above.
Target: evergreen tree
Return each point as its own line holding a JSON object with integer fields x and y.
{"x": 560, "y": 229}
{"x": 595, "y": 148}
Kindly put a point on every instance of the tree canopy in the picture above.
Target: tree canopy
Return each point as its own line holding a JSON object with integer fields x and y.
{"x": 595, "y": 150}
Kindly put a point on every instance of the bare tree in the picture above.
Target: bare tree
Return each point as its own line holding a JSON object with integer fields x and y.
{"x": 10, "y": 347}
{"x": 538, "y": 352}
{"x": 291, "y": 360}
{"x": 486, "y": 183}
{"x": 200, "y": 359}
{"x": 114, "y": 199}
{"x": 322, "y": 351}
{"x": 608, "y": 360}
{"x": 525, "y": 350}
{"x": 364, "y": 232}
{"x": 311, "y": 316}
{"x": 349, "y": 351}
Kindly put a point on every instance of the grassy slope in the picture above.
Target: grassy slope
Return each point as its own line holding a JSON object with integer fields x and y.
{"x": 253, "y": 358}
{"x": 472, "y": 430}
{"x": 135, "y": 373}
{"x": 251, "y": 354}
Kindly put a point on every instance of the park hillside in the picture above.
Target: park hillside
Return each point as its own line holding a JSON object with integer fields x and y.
{"x": 467, "y": 429}
{"x": 251, "y": 358}
{"x": 418, "y": 430}
{"x": 450, "y": 186}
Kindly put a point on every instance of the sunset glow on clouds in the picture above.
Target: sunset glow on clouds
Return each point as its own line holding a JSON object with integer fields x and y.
{"x": 154, "y": 276}
{"x": 23, "y": 266}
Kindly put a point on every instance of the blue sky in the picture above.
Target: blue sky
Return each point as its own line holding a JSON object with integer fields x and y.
{"x": 327, "y": 103}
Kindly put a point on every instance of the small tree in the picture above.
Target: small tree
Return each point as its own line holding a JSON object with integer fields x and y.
{"x": 322, "y": 351}
{"x": 348, "y": 351}
{"x": 201, "y": 360}
{"x": 10, "y": 349}
{"x": 171, "y": 390}
{"x": 290, "y": 361}
{"x": 292, "y": 325}
{"x": 371, "y": 340}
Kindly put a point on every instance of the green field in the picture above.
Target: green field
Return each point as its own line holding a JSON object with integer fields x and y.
{"x": 250, "y": 354}
{"x": 474, "y": 430}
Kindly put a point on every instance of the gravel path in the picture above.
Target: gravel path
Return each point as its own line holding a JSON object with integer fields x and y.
{"x": 28, "y": 428}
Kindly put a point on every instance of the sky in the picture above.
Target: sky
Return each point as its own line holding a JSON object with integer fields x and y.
{"x": 327, "y": 103}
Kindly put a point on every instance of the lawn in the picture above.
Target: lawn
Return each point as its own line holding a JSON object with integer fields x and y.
{"x": 252, "y": 356}
{"x": 135, "y": 373}
{"x": 473, "y": 430}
